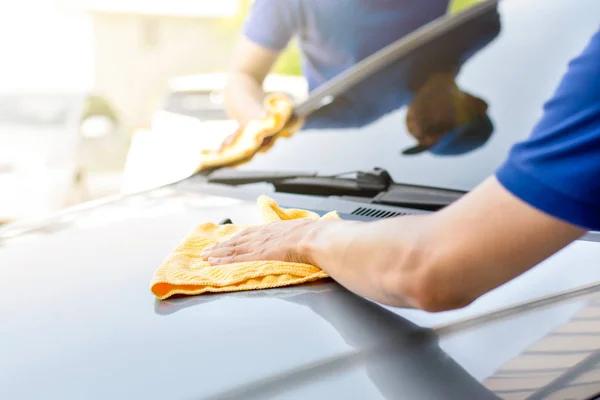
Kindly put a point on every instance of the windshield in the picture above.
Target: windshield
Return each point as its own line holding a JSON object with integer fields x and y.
{"x": 508, "y": 63}
{"x": 47, "y": 110}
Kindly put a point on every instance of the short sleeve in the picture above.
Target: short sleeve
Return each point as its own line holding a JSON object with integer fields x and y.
{"x": 557, "y": 170}
{"x": 272, "y": 23}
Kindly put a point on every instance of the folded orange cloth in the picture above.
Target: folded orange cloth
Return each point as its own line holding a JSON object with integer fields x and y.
{"x": 257, "y": 136}
{"x": 185, "y": 272}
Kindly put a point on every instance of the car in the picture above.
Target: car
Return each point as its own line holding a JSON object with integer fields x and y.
{"x": 49, "y": 142}
{"x": 79, "y": 320}
{"x": 190, "y": 116}
{"x": 195, "y": 102}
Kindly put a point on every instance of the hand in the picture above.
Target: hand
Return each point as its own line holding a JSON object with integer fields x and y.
{"x": 440, "y": 106}
{"x": 231, "y": 138}
{"x": 277, "y": 241}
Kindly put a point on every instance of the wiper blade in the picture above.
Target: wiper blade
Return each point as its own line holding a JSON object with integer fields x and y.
{"x": 231, "y": 176}
{"x": 377, "y": 186}
{"x": 396, "y": 194}
{"x": 422, "y": 197}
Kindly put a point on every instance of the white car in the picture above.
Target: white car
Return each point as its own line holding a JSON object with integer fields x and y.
{"x": 190, "y": 118}
{"x": 49, "y": 142}
{"x": 195, "y": 103}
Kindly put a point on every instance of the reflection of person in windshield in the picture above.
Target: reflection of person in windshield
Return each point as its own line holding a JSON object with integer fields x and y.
{"x": 333, "y": 36}
{"x": 543, "y": 197}
{"x": 445, "y": 120}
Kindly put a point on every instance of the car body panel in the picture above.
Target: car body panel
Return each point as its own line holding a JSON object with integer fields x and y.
{"x": 101, "y": 333}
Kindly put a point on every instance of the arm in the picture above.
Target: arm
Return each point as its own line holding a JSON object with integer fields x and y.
{"x": 447, "y": 259}
{"x": 435, "y": 262}
{"x": 270, "y": 26}
{"x": 244, "y": 93}
{"x": 444, "y": 260}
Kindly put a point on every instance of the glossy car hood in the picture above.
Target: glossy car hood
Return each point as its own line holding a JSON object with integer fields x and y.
{"x": 79, "y": 321}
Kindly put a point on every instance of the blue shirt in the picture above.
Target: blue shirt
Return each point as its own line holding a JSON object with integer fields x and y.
{"x": 333, "y": 35}
{"x": 557, "y": 170}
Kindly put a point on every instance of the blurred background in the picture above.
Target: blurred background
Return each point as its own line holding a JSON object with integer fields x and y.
{"x": 81, "y": 80}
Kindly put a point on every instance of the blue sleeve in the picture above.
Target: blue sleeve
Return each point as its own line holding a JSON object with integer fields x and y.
{"x": 272, "y": 23}
{"x": 557, "y": 170}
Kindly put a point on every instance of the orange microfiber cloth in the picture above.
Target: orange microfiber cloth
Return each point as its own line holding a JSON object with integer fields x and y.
{"x": 257, "y": 136}
{"x": 185, "y": 272}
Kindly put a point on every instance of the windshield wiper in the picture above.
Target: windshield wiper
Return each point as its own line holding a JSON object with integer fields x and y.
{"x": 231, "y": 176}
{"x": 376, "y": 186}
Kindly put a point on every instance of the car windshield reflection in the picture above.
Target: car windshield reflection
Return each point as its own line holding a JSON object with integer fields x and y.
{"x": 466, "y": 99}
{"x": 441, "y": 117}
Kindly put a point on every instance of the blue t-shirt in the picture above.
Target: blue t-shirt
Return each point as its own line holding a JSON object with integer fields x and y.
{"x": 333, "y": 35}
{"x": 557, "y": 170}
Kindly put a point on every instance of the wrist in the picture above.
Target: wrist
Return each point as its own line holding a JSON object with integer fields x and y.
{"x": 318, "y": 243}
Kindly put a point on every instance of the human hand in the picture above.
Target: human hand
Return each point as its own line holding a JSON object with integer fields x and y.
{"x": 229, "y": 140}
{"x": 277, "y": 241}
{"x": 440, "y": 106}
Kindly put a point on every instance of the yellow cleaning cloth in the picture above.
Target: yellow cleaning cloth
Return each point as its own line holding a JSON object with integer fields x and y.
{"x": 185, "y": 272}
{"x": 257, "y": 136}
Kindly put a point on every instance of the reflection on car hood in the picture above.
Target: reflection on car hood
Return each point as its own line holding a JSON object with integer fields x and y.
{"x": 78, "y": 319}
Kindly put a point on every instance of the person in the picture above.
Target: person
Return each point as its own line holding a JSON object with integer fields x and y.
{"x": 545, "y": 195}
{"x": 333, "y": 36}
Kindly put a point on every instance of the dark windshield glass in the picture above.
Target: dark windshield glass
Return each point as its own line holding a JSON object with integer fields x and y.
{"x": 39, "y": 110}
{"x": 507, "y": 64}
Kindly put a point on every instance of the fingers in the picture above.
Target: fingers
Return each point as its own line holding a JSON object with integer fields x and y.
{"x": 229, "y": 140}
{"x": 234, "y": 258}
{"x": 225, "y": 250}
{"x": 478, "y": 106}
{"x": 238, "y": 245}
{"x": 266, "y": 242}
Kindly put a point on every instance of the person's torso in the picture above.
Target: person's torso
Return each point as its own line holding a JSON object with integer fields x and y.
{"x": 335, "y": 35}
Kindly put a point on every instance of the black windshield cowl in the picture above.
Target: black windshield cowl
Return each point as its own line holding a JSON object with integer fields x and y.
{"x": 376, "y": 186}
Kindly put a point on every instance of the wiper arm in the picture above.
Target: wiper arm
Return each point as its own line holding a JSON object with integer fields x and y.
{"x": 377, "y": 186}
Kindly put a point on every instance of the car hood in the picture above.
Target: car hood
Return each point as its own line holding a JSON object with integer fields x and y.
{"x": 79, "y": 321}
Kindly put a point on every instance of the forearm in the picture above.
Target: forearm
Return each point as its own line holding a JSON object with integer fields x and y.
{"x": 378, "y": 260}
{"x": 435, "y": 262}
{"x": 244, "y": 98}
{"x": 443, "y": 260}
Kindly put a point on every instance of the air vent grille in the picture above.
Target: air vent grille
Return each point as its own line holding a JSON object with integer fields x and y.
{"x": 375, "y": 213}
